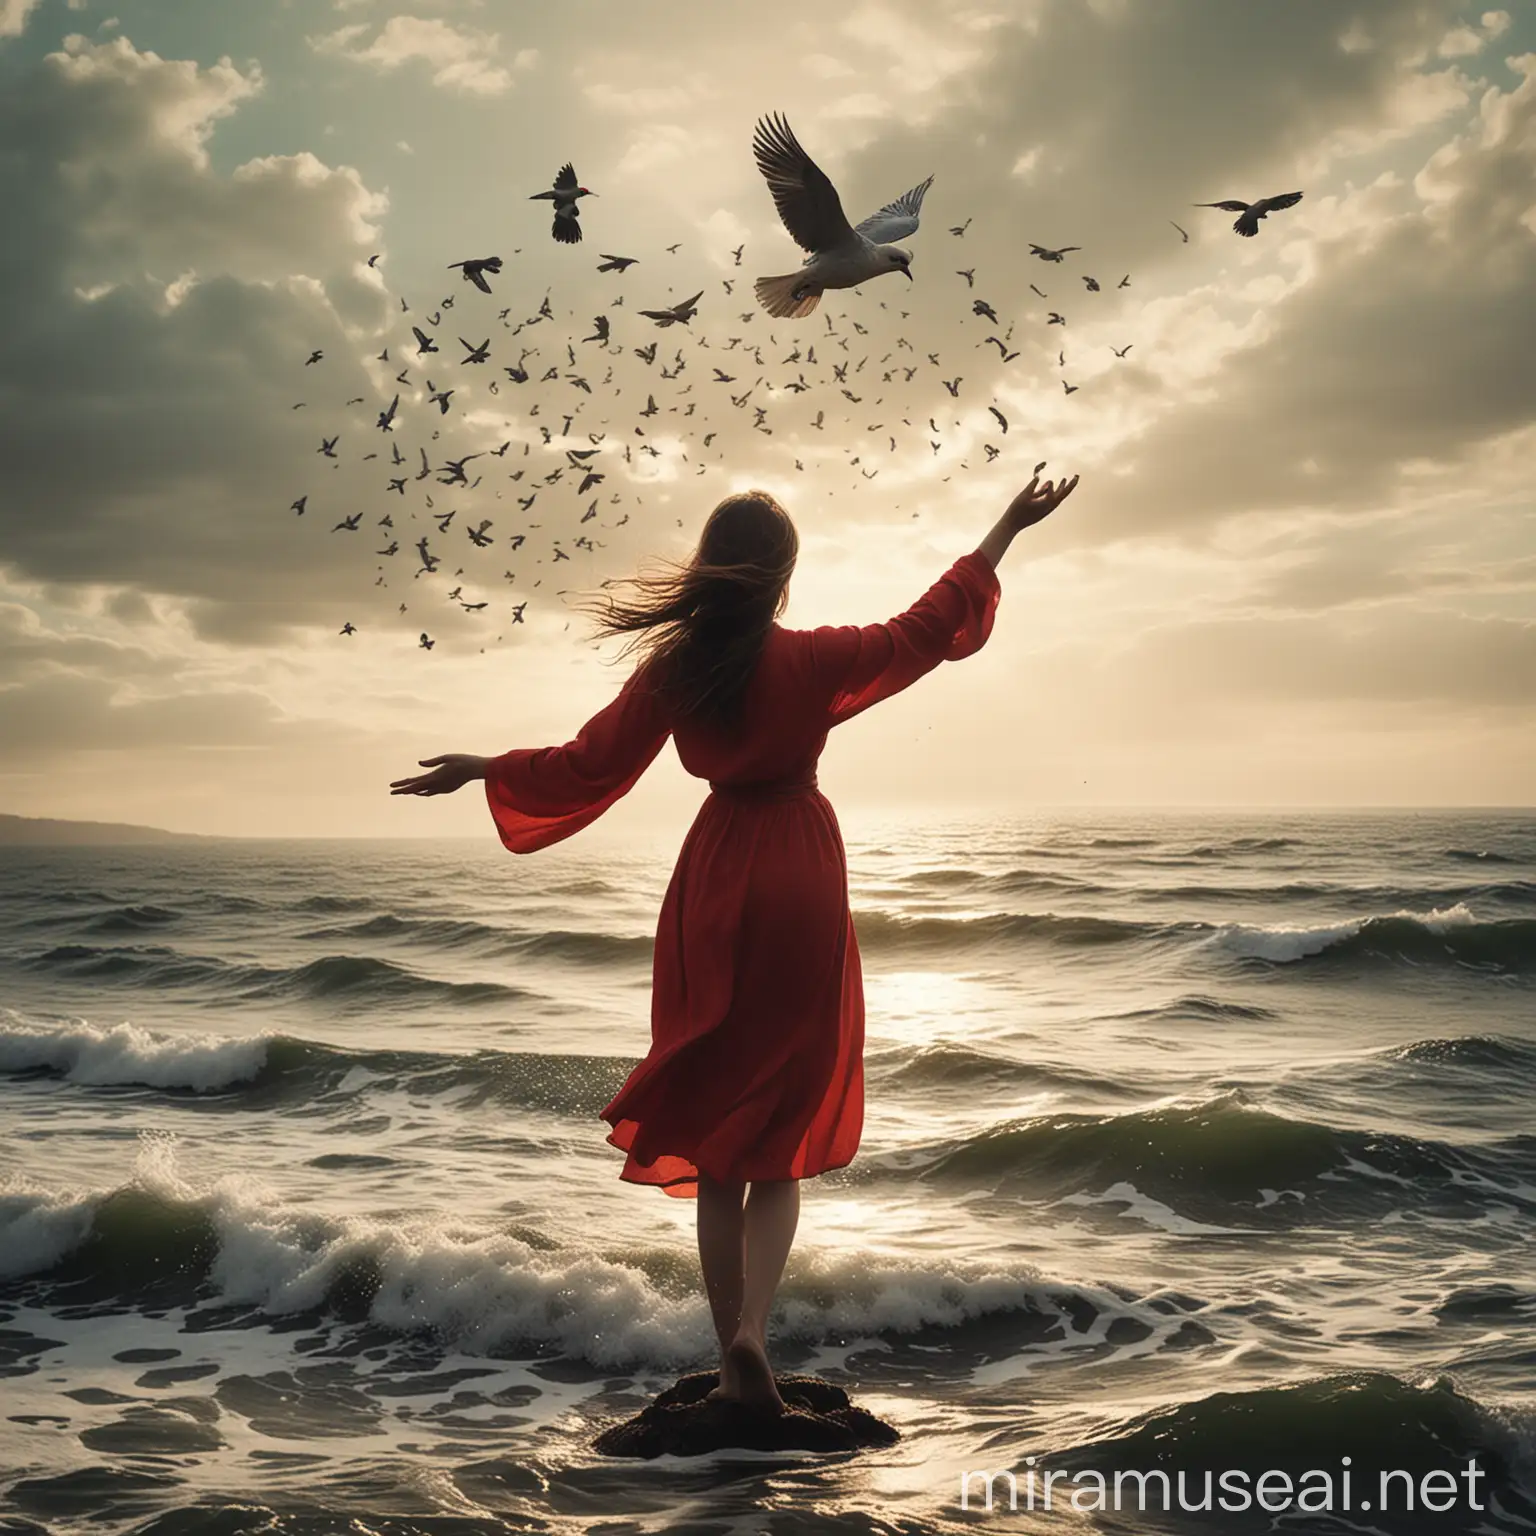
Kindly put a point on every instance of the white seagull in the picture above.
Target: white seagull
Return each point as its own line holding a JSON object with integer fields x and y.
{"x": 840, "y": 255}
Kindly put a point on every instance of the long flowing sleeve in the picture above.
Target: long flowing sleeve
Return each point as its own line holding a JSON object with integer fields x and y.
{"x": 859, "y": 665}
{"x": 540, "y": 795}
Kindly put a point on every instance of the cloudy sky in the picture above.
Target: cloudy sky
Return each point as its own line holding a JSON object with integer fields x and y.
{"x": 1299, "y": 568}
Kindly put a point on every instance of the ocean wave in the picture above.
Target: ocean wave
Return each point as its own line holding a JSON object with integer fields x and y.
{"x": 280, "y": 1068}
{"x": 1485, "y": 1053}
{"x": 1196, "y": 1007}
{"x": 1222, "y": 1155}
{"x": 1380, "y": 1421}
{"x": 881, "y": 931}
{"x": 945, "y": 1064}
{"x": 159, "y": 1242}
{"x": 1449, "y": 935}
{"x": 342, "y": 979}
{"x": 127, "y": 1055}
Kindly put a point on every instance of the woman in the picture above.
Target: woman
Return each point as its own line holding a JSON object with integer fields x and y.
{"x": 755, "y": 1074}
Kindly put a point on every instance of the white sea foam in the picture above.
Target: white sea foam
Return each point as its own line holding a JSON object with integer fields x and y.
{"x": 1258, "y": 941}
{"x": 38, "y": 1227}
{"x": 128, "y": 1055}
{"x": 484, "y": 1292}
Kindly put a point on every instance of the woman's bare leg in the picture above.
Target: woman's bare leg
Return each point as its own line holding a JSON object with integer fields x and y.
{"x": 772, "y": 1214}
{"x": 722, "y": 1257}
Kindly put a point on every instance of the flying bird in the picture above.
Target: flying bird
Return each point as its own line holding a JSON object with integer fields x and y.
{"x": 349, "y": 628}
{"x": 476, "y": 354}
{"x": 981, "y": 307}
{"x": 959, "y": 229}
{"x": 328, "y": 446}
{"x": 616, "y": 263}
{"x": 840, "y": 255}
{"x": 1092, "y": 282}
{"x": 678, "y": 314}
{"x": 314, "y": 357}
{"x": 566, "y": 195}
{"x": 1045, "y": 253}
{"x": 298, "y": 506}
{"x": 1121, "y": 351}
{"x": 1002, "y": 420}
{"x": 1055, "y": 319}
{"x": 474, "y": 271}
{"x": 968, "y": 273}
{"x": 1071, "y": 389}
{"x": 1042, "y": 294}
{"x": 1250, "y": 213}
{"x": 1125, "y": 282}
{"x": 424, "y": 343}
{"x": 599, "y": 330}
{"x": 1181, "y": 230}
{"x": 425, "y": 643}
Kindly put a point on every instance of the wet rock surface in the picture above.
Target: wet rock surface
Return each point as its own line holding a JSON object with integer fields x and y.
{"x": 681, "y": 1422}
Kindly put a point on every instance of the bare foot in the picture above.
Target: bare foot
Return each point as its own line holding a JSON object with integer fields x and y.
{"x": 748, "y": 1359}
{"x": 729, "y": 1389}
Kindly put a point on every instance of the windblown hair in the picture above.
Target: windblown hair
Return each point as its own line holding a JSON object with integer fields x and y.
{"x": 701, "y": 626}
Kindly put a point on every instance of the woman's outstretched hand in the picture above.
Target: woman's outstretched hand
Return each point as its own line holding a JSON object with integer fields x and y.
{"x": 451, "y": 771}
{"x": 1037, "y": 501}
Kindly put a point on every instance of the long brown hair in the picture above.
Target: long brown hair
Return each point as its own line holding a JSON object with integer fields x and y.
{"x": 701, "y": 626}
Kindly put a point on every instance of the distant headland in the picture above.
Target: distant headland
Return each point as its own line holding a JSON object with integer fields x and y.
{"x": 42, "y": 831}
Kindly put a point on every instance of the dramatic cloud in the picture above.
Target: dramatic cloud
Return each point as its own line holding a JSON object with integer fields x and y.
{"x": 1299, "y": 562}
{"x": 459, "y": 59}
{"x": 159, "y": 313}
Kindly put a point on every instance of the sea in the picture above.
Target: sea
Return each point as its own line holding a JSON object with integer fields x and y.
{"x": 1198, "y": 1146}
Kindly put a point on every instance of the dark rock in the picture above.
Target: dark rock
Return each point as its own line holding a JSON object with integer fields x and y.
{"x": 817, "y": 1417}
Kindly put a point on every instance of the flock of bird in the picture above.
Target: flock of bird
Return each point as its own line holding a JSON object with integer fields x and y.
{"x": 575, "y": 460}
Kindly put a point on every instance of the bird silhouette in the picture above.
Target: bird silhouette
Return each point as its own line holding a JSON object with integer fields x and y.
{"x": 1045, "y": 253}
{"x": 616, "y": 263}
{"x": 678, "y": 314}
{"x": 424, "y": 343}
{"x": 474, "y": 270}
{"x": 565, "y": 195}
{"x": 1250, "y": 213}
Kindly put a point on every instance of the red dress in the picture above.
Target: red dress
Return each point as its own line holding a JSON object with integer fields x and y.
{"x": 757, "y": 1004}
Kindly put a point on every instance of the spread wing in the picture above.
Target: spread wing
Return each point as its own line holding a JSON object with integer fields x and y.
{"x": 1231, "y": 205}
{"x": 1283, "y": 200}
{"x": 807, "y": 201}
{"x": 566, "y": 180}
{"x": 896, "y": 220}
